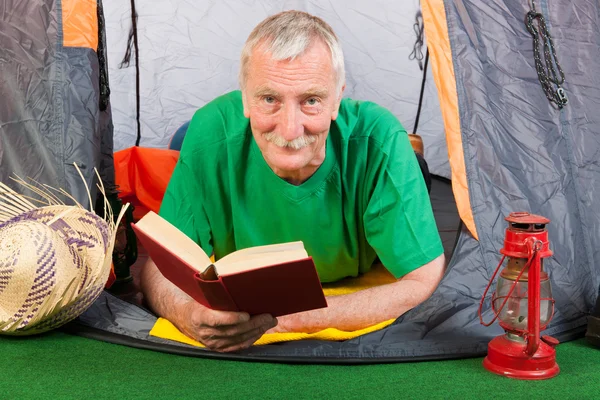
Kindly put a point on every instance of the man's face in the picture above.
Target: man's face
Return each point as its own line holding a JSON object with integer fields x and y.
{"x": 291, "y": 105}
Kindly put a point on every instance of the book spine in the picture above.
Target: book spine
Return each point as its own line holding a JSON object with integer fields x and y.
{"x": 217, "y": 296}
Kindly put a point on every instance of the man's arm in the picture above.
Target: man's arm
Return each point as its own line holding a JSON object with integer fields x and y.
{"x": 217, "y": 330}
{"x": 370, "y": 306}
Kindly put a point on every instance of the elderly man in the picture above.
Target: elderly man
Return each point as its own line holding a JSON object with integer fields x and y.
{"x": 287, "y": 159}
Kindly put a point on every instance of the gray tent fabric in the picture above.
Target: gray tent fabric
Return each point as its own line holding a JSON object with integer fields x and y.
{"x": 521, "y": 152}
{"x": 49, "y": 114}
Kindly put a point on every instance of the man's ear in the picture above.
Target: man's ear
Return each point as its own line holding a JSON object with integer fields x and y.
{"x": 245, "y": 104}
{"x": 336, "y": 109}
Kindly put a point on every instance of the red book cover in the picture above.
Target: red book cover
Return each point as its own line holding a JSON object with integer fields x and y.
{"x": 278, "y": 289}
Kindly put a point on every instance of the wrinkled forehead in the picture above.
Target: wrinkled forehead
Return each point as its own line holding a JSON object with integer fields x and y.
{"x": 314, "y": 59}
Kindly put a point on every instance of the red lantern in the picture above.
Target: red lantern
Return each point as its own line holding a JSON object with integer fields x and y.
{"x": 523, "y": 303}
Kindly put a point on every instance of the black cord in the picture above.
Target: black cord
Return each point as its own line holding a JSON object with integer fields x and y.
{"x": 550, "y": 78}
{"x": 417, "y": 53}
{"x": 422, "y": 92}
{"x": 132, "y": 44}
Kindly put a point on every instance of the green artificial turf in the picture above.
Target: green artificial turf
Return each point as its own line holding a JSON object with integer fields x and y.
{"x": 61, "y": 366}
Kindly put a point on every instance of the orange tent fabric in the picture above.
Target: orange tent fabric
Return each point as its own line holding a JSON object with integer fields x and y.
{"x": 142, "y": 175}
{"x": 80, "y": 23}
{"x": 436, "y": 30}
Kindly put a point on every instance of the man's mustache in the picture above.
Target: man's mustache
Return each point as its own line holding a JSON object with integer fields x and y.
{"x": 296, "y": 144}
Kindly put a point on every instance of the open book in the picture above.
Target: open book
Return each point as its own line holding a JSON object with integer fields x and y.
{"x": 276, "y": 279}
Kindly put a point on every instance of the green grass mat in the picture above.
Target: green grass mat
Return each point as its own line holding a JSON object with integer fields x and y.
{"x": 60, "y": 366}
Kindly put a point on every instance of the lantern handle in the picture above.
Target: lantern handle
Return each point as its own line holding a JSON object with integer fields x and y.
{"x": 533, "y": 303}
{"x": 485, "y": 295}
{"x": 512, "y": 288}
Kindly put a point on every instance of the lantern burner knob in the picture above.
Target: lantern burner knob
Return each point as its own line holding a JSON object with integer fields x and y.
{"x": 550, "y": 341}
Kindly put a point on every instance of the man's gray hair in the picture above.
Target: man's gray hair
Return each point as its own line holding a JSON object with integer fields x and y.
{"x": 287, "y": 35}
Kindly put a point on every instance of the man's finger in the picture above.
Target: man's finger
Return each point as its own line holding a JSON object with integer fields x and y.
{"x": 258, "y": 321}
{"x": 231, "y": 332}
{"x": 249, "y": 340}
{"x": 229, "y": 339}
{"x": 224, "y": 318}
{"x": 244, "y": 340}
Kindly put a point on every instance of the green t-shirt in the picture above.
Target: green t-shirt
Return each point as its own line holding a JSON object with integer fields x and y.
{"x": 368, "y": 199}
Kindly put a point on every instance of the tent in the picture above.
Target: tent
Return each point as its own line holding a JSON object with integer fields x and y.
{"x": 485, "y": 119}
{"x": 54, "y": 108}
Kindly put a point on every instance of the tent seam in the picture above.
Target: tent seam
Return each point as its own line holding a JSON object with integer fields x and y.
{"x": 461, "y": 111}
{"x": 58, "y": 88}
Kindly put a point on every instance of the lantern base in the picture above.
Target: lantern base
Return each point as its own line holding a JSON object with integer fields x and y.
{"x": 508, "y": 357}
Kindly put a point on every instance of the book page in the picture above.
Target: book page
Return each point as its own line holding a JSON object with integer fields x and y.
{"x": 250, "y": 252}
{"x": 174, "y": 240}
{"x": 253, "y": 261}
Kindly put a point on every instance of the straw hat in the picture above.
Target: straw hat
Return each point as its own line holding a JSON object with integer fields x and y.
{"x": 54, "y": 259}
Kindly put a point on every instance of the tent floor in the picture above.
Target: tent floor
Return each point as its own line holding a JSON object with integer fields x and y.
{"x": 116, "y": 319}
{"x": 444, "y": 208}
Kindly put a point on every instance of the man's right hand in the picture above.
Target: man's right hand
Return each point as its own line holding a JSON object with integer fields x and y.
{"x": 223, "y": 331}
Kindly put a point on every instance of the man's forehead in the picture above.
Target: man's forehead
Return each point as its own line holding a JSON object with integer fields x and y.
{"x": 317, "y": 53}
{"x": 265, "y": 46}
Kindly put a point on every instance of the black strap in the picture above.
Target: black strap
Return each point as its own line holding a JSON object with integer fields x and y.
{"x": 102, "y": 63}
{"x": 550, "y": 78}
{"x": 417, "y": 54}
{"x": 132, "y": 44}
{"x": 422, "y": 92}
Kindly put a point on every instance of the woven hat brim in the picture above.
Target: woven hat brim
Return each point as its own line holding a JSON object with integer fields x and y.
{"x": 89, "y": 235}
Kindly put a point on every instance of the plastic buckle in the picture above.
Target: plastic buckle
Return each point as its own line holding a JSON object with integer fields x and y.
{"x": 562, "y": 95}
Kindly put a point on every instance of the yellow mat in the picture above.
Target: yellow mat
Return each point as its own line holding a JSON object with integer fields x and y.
{"x": 377, "y": 276}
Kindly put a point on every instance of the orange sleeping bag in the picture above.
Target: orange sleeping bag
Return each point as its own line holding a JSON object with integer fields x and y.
{"x": 142, "y": 175}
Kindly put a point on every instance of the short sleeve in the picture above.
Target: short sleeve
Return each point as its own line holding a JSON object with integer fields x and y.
{"x": 182, "y": 206}
{"x": 399, "y": 222}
